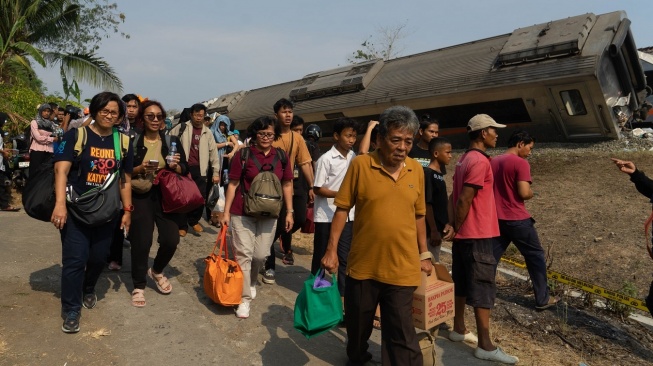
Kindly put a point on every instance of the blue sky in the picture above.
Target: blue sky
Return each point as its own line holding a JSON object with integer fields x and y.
{"x": 185, "y": 52}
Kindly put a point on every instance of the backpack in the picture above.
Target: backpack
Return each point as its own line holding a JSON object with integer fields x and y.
{"x": 265, "y": 196}
{"x": 38, "y": 194}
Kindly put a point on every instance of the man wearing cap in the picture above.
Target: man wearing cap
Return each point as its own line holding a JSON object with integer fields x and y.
{"x": 475, "y": 224}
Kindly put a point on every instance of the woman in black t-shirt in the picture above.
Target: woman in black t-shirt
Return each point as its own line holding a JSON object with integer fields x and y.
{"x": 150, "y": 156}
{"x": 84, "y": 248}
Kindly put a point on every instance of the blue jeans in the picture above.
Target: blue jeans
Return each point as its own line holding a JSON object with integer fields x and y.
{"x": 83, "y": 257}
{"x": 522, "y": 233}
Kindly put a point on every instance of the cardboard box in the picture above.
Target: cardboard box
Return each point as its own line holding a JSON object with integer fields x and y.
{"x": 433, "y": 300}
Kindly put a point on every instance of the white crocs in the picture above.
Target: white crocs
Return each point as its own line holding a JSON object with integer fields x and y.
{"x": 468, "y": 337}
{"x": 497, "y": 355}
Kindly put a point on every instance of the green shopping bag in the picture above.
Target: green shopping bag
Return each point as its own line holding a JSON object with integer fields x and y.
{"x": 318, "y": 307}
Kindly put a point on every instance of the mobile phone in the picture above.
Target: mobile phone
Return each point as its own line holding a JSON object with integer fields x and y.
{"x": 154, "y": 162}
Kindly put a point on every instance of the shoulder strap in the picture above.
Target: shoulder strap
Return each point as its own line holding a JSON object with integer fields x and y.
{"x": 244, "y": 156}
{"x": 135, "y": 141}
{"x": 292, "y": 140}
{"x": 182, "y": 128}
{"x": 117, "y": 143}
{"x": 80, "y": 141}
{"x": 168, "y": 141}
{"x": 282, "y": 156}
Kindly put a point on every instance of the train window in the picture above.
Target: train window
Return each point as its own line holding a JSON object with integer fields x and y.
{"x": 573, "y": 102}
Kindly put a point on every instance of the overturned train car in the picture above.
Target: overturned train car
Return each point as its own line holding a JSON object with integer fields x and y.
{"x": 572, "y": 79}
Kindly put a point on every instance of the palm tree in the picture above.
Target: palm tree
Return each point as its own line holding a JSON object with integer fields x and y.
{"x": 27, "y": 27}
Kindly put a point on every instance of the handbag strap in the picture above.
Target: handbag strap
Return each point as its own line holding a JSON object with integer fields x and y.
{"x": 220, "y": 243}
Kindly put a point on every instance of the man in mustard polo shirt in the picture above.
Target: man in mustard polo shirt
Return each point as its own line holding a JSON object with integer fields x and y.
{"x": 388, "y": 248}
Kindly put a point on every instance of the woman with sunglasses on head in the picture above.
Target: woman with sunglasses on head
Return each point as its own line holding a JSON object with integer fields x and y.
{"x": 253, "y": 236}
{"x": 151, "y": 150}
{"x": 84, "y": 247}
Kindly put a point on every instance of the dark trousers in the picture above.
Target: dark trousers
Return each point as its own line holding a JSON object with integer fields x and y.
{"x": 5, "y": 190}
{"x": 522, "y": 233}
{"x": 36, "y": 158}
{"x": 115, "y": 251}
{"x": 83, "y": 256}
{"x": 399, "y": 344}
{"x": 149, "y": 212}
{"x": 320, "y": 241}
{"x": 299, "y": 205}
{"x": 207, "y": 190}
{"x": 193, "y": 217}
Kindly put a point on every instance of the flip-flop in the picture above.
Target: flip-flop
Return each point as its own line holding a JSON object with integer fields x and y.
{"x": 10, "y": 209}
{"x": 161, "y": 281}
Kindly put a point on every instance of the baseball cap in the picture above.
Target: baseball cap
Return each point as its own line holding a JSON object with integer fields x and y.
{"x": 481, "y": 121}
{"x": 236, "y": 132}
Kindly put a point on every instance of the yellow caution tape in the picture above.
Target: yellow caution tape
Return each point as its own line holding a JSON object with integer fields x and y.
{"x": 585, "y": 286}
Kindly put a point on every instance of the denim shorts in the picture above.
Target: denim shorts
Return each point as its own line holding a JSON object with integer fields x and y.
{"x": 473, "y": 271}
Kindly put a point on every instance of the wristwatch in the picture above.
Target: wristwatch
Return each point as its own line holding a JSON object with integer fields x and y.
{"x": 129, "y": 208}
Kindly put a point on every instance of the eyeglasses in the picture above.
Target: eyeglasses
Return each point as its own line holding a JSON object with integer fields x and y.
{"x": 154, "y": 117}
{"x": 269, "y": 135}
{"x": 106, "y": 113}
{"x": 199, "y": 114}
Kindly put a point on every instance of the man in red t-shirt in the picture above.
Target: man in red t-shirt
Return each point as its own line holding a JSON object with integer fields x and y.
{"x": 512, "y": 186}
{"x": 475, "y": 224}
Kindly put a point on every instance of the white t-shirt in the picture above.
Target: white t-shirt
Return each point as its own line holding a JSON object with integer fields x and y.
{"x": 329, "y": 172}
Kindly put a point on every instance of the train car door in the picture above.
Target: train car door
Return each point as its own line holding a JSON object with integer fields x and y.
{"x": 576, "y": 111}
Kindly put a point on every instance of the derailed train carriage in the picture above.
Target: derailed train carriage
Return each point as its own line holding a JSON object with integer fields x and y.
{"x": 572, "y": 79}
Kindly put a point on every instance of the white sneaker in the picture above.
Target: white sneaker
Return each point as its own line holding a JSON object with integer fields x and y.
{"x": 497, "y": 355}
{"x": 468, "y": 337}
{"x": 252, "y": 292}
{"x": 243, "y": 310}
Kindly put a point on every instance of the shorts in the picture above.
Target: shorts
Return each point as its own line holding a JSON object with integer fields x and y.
{"x": 473, "y": 271}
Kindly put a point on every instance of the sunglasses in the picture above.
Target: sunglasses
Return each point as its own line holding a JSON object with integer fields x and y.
{"x": 154, "y": 117}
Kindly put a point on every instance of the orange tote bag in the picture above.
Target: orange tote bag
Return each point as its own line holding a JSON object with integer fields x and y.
{"x": 223, "y": 279}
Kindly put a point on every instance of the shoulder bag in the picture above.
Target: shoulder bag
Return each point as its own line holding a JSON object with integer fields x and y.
{"x": 99, "y": 205}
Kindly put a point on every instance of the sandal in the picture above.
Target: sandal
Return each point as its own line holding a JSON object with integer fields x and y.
{"x": 11, "y": 209}
{"x": 161, "y": 281}
{"x": 377, "y": 322}
{"x": 138, "y": 299}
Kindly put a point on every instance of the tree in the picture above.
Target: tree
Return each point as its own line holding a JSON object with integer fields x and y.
{"x": 387, "y": 40}
{"x": 27, "y": 26}
{"x": 98, "y": 19}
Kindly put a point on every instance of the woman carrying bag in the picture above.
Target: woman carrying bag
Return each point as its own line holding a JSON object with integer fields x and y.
{"x": 151, "y": 156}
{"x": 85, "y": 246}
{"x": 252, "y": 236}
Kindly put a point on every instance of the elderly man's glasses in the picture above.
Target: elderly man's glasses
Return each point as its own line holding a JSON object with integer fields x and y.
{"x": 154, "y": 117}
{"x": 264, "y": 135}
{"x": 107, "y": 113}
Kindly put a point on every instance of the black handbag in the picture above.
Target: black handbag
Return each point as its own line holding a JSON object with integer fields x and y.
{"x": 96, "y": 206}
{"x": 99, "y": 205}
{"x": 38, "y": 194}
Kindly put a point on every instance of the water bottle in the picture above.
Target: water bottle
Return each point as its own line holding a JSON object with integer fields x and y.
{"x": 173, "y": 151}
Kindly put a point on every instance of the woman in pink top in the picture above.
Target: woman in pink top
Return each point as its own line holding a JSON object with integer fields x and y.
{"x": 41, "y": 128}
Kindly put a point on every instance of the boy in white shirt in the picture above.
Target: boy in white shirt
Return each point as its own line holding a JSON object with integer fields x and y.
{"x": 329, "y": 173}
